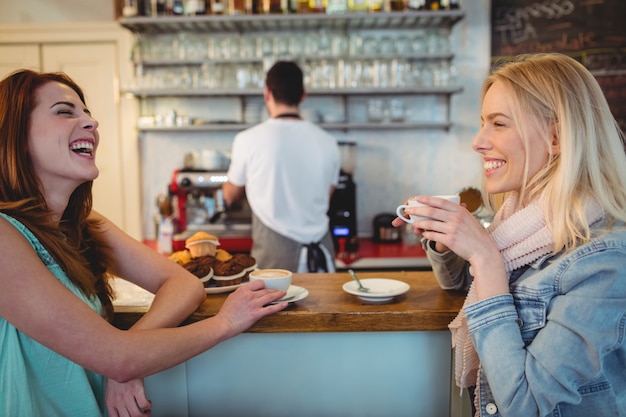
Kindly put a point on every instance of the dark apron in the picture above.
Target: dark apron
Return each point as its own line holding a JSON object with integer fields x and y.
{"x": 273, "y": 250}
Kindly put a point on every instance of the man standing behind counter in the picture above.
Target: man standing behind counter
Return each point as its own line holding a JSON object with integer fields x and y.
{"x": 288, "y": 168}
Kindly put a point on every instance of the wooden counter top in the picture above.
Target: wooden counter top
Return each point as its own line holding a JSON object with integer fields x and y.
{"x": 330, "y": 309}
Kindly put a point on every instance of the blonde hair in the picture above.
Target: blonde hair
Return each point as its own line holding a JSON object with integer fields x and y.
{"x": 562, "y": 100}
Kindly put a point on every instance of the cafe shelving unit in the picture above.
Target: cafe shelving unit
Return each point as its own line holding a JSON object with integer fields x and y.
{"x": 293, "y": 22}
{"x": 346, "y": 23}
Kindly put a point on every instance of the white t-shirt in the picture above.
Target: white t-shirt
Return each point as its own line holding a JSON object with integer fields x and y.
{"x": 288, "y": 168}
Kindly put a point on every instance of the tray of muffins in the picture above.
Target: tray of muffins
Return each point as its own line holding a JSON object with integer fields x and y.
{"x": 218, "y": 270}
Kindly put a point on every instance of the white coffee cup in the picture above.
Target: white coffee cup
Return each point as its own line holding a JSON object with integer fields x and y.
{"x": 414, "y": 203}
{"x": 274, "y": 279}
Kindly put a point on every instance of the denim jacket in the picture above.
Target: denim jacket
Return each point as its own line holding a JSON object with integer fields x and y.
{"x": 555, "y": 345}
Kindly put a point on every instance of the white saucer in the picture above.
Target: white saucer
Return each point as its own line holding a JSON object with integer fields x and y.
{"x": 381, "y": 289}
{"x": 294, "y": 293}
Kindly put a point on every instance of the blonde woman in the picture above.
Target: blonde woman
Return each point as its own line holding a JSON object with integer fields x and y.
{"x": 542, "y": 332}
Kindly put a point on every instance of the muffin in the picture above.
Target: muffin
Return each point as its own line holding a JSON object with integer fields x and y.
{"x": 201, "y": 266}
{"x": 227, "y": 273}
{"x": 202, "y": 244}
{"x": 222, "y": 255}
{"x": 227, "y": 268}
{"x": 228, "y": 280}
{"x": 248, "y": 262}
{"x": 181, "y": 257}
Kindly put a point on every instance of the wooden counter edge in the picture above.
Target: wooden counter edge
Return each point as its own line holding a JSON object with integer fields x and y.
{"x": 426, "y": 307}
{"x": 284, "y": 322}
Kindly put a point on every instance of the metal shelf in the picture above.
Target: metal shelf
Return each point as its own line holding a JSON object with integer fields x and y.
{"x": 344, "y": 91}
{"x": 170, "y": 62}
{"x": 299, "y": 22}
{"x": 252, "y": 24}
{"x": 230, "y": 127}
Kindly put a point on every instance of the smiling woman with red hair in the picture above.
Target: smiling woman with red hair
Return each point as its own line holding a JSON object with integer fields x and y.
{"x": 56, "y": 346}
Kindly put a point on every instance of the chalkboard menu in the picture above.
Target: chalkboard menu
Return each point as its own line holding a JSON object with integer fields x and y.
{"x": 592, "y": 31}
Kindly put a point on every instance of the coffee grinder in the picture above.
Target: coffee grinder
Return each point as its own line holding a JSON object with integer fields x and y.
{"x": 342, "y": 208}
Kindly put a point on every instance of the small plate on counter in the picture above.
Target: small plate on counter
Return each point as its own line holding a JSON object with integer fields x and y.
{"x": 294, "y": 293}
{"x": 380, "y": 289}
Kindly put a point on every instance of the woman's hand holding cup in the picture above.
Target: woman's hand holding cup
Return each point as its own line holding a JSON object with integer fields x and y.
{"x": 413, "y": 203}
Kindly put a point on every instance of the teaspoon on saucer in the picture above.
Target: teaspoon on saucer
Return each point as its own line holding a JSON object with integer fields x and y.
{"x": 361, "y": 287}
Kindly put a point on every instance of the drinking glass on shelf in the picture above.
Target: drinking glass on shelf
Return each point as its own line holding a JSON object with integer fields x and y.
{"x": 323, "y": 43}
{"x": 386, "y": 46}
{"x": 355, "y": 45}
{"x": 243, "y": 76}
{"x": 296, "y": 44}
{"x": 310, "y": 45}
{"x": 370, "y": 46}
{"x": 317, "y": 77}
{"x": 219, "y": 49}
{"x": 329, "y": 74}
{"x": 432, "y": 41}
{"x": 437, "y": 41}
{"x": 247, "y": 47}
{"x": 186, "y": 78}
{"x": 265, "y": 46}
{"x": 375, "y": 110}
{"x": 403, "y": 45}
{"x": 444, "y": 41}
{"x": 426, "y": 75}
{"x": 180, "y": 45}
{"x": 415, "y": 74}
{"x": 384, "y": 73}
{"x": 338, "y": 45}
{"x": 256, "y": 76}
{"x": 211, "y": 46}
{"x": 398, "y": 72}
{"x": 280, "y": 45}
{"x": 397, "y": 110}
{"x": 229, "y": 76}
{"x": 418, "y": 42}
{"x": 369, "y": 74}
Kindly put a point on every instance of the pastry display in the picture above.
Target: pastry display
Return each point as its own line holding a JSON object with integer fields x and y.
{"x": 214, "y": 267}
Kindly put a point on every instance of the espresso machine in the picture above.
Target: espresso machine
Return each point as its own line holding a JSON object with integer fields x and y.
{"x": 342, "y": 208}
{"x": 199, "y": 204}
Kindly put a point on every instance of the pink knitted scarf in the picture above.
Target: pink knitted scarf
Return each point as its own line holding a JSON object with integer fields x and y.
{"x": 522, "y": 238}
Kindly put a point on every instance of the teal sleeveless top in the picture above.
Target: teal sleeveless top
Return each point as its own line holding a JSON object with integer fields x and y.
{"x": 36, "y": 381}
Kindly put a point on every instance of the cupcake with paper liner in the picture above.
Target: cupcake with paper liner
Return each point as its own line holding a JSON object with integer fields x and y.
{"x": 202, "y": 244}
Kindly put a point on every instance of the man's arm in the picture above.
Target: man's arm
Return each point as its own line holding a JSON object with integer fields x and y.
{"x": 232, "y": 193}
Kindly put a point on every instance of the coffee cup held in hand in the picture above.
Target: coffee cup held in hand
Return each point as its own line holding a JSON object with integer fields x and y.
{"x": 274, "y": 279}
{"x": 414, "y": 203}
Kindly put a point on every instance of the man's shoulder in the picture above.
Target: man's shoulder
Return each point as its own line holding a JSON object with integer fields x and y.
{"x": 252, "y": 131}
{"x": 312, "y": 127}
